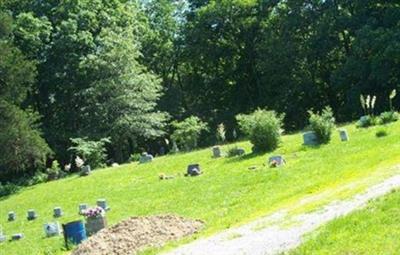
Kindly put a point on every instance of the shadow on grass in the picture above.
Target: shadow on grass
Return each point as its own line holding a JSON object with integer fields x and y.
{"x": 235, "y": 159}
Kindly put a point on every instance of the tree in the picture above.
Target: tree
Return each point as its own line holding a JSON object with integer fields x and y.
{"x": 22, "y": 147}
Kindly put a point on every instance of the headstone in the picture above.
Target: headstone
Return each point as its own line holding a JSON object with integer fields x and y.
{"x": 85, "y": 170}
{"x": 344, "y": 136}
{"x": 3, "y": 238}
{"x": 82, "y": 207}
{"x": 103, "y": 204}
{"x": 364, "y": 120}
{"x": 145, "y": 158}
{"x": 32, "y": 214}
{"x": 216, "y": 152}
{"x": 193, "y": 170}
{"x": 11, "y": 216}
{"x": 52, "y": 229}
{"x": 17, "y": 237}
{"x": 240, "y": 151}
{"x": 57, "y": 212}
{"x": 310, "y": 138}
{"x": 276, "y": 161}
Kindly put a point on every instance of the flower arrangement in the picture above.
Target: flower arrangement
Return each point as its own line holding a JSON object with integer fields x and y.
{"x": 79, "y": 162}
{"x": 93, "y": 212}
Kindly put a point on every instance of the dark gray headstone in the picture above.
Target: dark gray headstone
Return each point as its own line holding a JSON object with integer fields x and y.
{"x": 240, "y": 151}
{"x": 57, "y": 212}
{"x": 276, "y": 161}
{"x": 86, "y": 170}
{"x": 216, "y": 152}
{"x": 103, "y": 204}
{"x": 310, "y": 138}
{"x": 194, "y": 170}
{"x": 145, "y": 158}
{"x": 32, "y": 214}
{"x": 344, "y": 136}
{"x": 11, "y": 216}
{"x": 17, "y": 237}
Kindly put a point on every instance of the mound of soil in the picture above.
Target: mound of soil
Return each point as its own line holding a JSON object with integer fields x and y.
{"x": 138, "y": 233}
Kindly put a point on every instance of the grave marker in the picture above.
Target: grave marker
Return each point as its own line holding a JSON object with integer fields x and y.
{"x": 11, "y": 216}
{"x": 193, "y": 170}
{"x": 17, "y": 237}
{"x": 344, "y": 136}
{"x": 276, "y": 161}
{"x": 145, "y": 158}
{"x": 103, "y": 204}
{"x": 310, "y": 138}
{"x": 57, "y": 212}
{"x": 31, "y": 215}
{"x": 52, "y": 229}
{"x": 216, "y": 152}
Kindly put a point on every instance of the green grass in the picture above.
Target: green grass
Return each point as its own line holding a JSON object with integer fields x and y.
{"x": 373, "y": 230}
{"x": 228, "y": 194}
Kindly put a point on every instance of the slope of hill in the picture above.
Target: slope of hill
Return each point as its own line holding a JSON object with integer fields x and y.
{"x": 227, "y": 194}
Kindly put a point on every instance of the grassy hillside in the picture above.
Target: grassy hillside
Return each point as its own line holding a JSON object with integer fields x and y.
{"x": 227, "y": 194}
{"x": 373, "y": 230}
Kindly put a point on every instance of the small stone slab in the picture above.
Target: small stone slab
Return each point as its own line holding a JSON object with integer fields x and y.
{"x": 52, "y": 229}
{"x": 216, "y": 152}
{"x": 31, "y": 215}
{"x": 103, "y": 204}
{"x": 85, "y": 171}
{"x": 11, "y": 216}
{"x": 82, "y": 207}
{"x": 3, "y": 238}
{"x": 344, "y": 136}
{"x": 310, "y": 138}
{"x": 194, "y": 170}
{"x": 146, "y": 158}
{"x": 240, "y": 151}
{"x": 17, "y": 237}
{"x": 276, "y": 161}
{"x": 57, "y": 212}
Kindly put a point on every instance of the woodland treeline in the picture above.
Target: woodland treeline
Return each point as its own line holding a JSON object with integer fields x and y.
{"x": 126, "y": 69}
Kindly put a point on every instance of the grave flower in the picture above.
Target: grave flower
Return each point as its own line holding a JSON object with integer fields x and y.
{"x": 79, "y": 162}
{"x": 67, "y": 167}
{"x": 94, "y": 212}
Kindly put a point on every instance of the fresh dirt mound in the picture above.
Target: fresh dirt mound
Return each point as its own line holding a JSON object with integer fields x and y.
{"x": 138, "y": 233}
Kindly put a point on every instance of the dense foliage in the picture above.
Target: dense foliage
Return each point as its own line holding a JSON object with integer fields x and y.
{"x": 119, "y": 69}
{"x": 322, "y": 124}
{"x": 263, "y": 128}
{"x": 187, "y": 132}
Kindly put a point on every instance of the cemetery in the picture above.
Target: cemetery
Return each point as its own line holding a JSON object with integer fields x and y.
{"x": 199, "y": 127}
{"x": 124, "y": 192}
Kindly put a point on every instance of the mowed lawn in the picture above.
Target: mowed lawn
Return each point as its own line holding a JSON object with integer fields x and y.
{"x": 227, "y": 194}
{"x": 373, "y": 230}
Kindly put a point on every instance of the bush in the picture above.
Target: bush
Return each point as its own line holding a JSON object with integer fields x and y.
{"x": 322, "y": 124}
{"x": 54, "y": 171}
{"x": 8, "y": 189}
{"x": 134, "y": 157}
{"x": 381, "y": 133}
{"x": 187, "y": 132}
{"x": 368, "y": 121}
{"x": 388, "y": 117}
{"x": 92, "y": 152}
{"x": 263, "y": 128}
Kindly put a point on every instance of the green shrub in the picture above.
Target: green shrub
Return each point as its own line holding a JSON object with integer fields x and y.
{"x": 263, "y": 128}
{"x": 92, "y": 152}
{"x": 134, "y": 157}
{"x": 8, "y": 189}
{"x": 381, "y": 133}
{"x": 187, "y": 132}
{"x": 322, "y": 124}
{"x": 39, "y": 177}
{"x": 368, "y": 121}
{"x": 388, "y": 117}
{"x": 54, "y": 171}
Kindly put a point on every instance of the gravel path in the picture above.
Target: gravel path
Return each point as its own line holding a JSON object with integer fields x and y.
{"x": 250, "y": 239}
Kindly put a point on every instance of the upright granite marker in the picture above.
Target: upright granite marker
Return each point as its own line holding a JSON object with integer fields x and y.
{"x": 146, "y": 158}
{"x": 344, "y": 136}
{"x": 216, "y": 152}
{"x": 310, "y": 138}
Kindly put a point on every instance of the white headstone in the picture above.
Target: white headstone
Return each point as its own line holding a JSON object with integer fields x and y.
{"x": 276, "y": 161}
{"x": 52, "y": 229}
